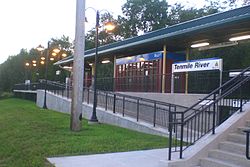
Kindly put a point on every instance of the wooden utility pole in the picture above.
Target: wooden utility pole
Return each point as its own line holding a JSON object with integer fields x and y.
{"x": 78, "y": 67}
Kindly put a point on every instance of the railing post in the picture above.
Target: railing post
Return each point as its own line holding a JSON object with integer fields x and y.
{"x": 214, "y": 98}
{"x": 106, "y": 101}
{"x": 241, "y": 100}
{"x": 247, "y": 143}
{"x": 137, "y": 113}
{"x": 123, "y": 106}
{"x": 83, "y": 92}
{"x": 170, "y": 124}
{"x": 67, "y": 87}
{"x": 114, "y": 103}
{"x": 182, "y": 131}
{"x": 154, "y": 112}
{"x": 88, "y": 96}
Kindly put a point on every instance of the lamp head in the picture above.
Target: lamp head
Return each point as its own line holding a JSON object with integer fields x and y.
{"x": 40, "y": 48}
{"x": 64, "y": 55}
{"x": 54, "y": 54}
{"x": 56, "y": 50}
{"x": 109, "y": 26}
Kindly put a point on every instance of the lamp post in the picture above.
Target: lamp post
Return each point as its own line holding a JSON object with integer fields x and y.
{"x": 26, "y": 71}
{"x": 45, "y": 60}
{"x": 40, "y": 48}
{"x": 93, "y": 116}
{"x": 109, "y": 26}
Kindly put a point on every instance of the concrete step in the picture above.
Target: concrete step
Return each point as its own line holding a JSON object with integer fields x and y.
{"x": 233, "y": 147}
{"x": 248, "y": 123}
{"x": 228, "y": 157}
{"x": 237, "y": 138}
{"x": 211, "y": 162}
{"x": 241, "y": 129}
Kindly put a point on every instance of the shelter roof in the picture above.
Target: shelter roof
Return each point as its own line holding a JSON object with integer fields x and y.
{"x": 214, "y": 28}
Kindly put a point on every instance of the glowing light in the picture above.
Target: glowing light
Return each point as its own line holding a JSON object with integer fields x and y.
{"x": 109, "y": 26}
{"x": 244, "y": 37}
{"x": 67, "y": 67}
{"x": 40, "y": 48}
{"x": 64, "y": 55}
{"x": 54, "y": 54}
{"x": 105, "y": 61}
{"x": 56, "y": 50}
{"x": 199, "y": 45}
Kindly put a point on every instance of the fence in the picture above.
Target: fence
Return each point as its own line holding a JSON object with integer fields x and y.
{"x": 202, "y": 82}
{"x": 185, "y": 125}
{"x": 153, "y": 112}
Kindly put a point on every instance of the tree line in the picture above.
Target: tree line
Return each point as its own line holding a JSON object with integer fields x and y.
{"x": 139, "y": 17}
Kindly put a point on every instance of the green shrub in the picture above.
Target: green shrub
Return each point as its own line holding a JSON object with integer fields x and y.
{"x": 5, "y": 95}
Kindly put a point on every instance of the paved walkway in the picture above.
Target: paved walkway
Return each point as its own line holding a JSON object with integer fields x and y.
{"x": 146, "y": 158}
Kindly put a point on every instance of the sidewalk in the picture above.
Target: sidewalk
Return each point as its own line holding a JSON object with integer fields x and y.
{"x": 146, "y": 158}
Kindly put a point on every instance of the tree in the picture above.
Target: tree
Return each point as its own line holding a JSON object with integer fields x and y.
{"x": 104, "y": 36}
{"x": 142, "y": 16}
{"x": 228, "y": 4}
{"x": 14, "y": 71}
{"x": 178, "y": 13}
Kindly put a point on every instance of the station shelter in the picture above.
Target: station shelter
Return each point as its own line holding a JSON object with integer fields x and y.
{"x": 144, "y": 63}
{"x": 144, "y": 73}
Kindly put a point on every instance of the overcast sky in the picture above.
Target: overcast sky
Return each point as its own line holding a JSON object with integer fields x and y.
{"x": 28, "y": 23}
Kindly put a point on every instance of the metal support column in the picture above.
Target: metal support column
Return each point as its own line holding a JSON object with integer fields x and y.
{"x": 164, "y": 61}
{"x": 186, "y": 81}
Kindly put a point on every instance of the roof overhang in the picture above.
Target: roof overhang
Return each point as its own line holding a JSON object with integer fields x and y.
{"x": 214, "y": 28}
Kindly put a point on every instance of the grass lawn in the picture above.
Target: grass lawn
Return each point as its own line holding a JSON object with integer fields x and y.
{"x": 29, "y": 134}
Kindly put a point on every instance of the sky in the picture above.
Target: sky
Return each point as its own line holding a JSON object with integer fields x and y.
{"x": 28, "y": 23}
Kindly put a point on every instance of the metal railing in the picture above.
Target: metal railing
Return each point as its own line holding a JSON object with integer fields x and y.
{"x": 247, "y": 143}
{"x": 202, "y": 117}
{"x": 199, "y": 82}
{"x": 141, "y": 109}
{"x": 31, "y": 86}
{"x": 185, "y": 125}
{"x": 51, "y": 85}
{"x": 153, "y": 112}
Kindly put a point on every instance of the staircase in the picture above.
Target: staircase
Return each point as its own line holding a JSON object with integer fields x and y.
{"x": 230, "y": 153}
{"x": 207, "y": 114}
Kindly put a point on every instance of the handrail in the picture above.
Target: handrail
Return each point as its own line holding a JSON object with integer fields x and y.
{"x": 144, "y": 99}
{"x": 197, "y": 120}
{"x": 128, "y": 96}
{"x": 219, "y": 88}
{"x": 143, "y": 109}
{"x": 247, "y": 143}
{"x": 222, "y": 96}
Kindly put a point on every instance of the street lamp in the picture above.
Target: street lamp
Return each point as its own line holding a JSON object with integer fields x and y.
{"x": 45, "y": 60}
{"x": 26, "y": 71}
{"x": 109, "y": 27}
{"x": 28, "y": 65}
{"x": 41, "y": 48}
